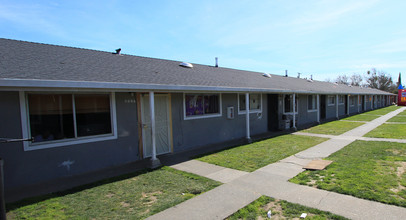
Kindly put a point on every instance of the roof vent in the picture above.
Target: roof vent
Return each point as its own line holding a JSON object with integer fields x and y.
{"x": 309, "y": 80}
{"x": 186, "y": 65}
{"x": 118, "y": 51}
{"x": 217, "y": 62}
{"x": 267, "y": 75}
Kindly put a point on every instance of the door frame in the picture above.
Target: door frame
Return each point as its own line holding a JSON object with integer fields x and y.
{"x": 141, "y": 135}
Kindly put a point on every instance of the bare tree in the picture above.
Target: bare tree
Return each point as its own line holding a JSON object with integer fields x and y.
{"x": 356, "y": 80}
{"x": 379, "y": 80}
{"x": 342, "y": 79}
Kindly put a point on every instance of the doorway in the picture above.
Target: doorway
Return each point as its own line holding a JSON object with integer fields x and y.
{"x": 322, "y": 107}
{"x": 162, "y": 124}
{"x": 346, "y": 105}
{"x": 273, "y": 121}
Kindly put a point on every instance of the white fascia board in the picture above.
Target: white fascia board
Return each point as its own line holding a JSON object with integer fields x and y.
{"x": 29, "y": 84}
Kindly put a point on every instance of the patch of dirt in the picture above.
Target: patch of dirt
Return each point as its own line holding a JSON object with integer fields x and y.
{"x": 399, "y": 172}
{"x": 145, "y": 212}
{"x": 393, "y": 151}
{"x": 312, "y": 183}
{"x": 109, "y": 195}
{"x": 150, "y": 197}
{"x": 401, "y": 169}
{"x": 275, "y": 208}
{"x": 124, "y": 204}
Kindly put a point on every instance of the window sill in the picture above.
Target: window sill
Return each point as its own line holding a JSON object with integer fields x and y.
{"x": 251, "y": 111}
{"x": 201, "y": 116}
{"x": 312, "y": 110}
{"x": 68, "y": 142}
{"x": 289, "y": 113}
{"x": 331, "y": 104}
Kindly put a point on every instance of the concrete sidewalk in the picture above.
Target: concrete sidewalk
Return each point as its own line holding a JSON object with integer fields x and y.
{"x": 241, "y": 188}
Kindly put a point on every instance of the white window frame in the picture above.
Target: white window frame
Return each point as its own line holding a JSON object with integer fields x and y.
{"x": 328, "y": 99}
{"x": 28, "y": 146}
{"x": 243, "y": 112}
{"x": 341, "y": 99}
{"x": 314, "y": 101}
{"x": 212, "y": 115}
{"x": 297, "y": 104}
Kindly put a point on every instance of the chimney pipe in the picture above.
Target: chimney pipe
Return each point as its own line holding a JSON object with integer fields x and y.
{"x": 118, "y": 51}
{"x": 298, "y": 75}
{"x": 311, "y": 77}
{"x": 286, "y": 73}
{"x": 217, "y": 62}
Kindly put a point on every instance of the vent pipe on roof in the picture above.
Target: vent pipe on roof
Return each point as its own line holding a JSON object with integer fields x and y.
{"x": 217, "y": 62}
{"x": 118, "y": 51}
{"x": 298, "y": 75}
{"x": 286, "y": 73}
{"x": 311, "y": 77}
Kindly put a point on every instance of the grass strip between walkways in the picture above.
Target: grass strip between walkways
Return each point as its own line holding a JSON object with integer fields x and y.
{"x": 364, "y": 169}
{"x": 361, "y": 117}
{"x": 133, "y": 196}
{"x": 333, "y": 127}
{"x": 396, "y": 131}
{"x": 398, "y": 118}
{"x": 252, "y": 156}
{"x": 280, "y": 209}
{"x": 383, "y": 111}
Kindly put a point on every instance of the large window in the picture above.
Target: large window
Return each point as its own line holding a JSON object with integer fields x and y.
{"x": 202, "y": 105}
{"x": 331, "y": 100}
{"x": 68, "y": 116}
{"x": 288, "y": 104}
{"x": 255, "y": 103}
{"x": 311, "y": 102}
{"x": 60, "y": 119}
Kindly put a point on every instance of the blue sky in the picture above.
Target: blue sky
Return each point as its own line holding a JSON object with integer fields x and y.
{"x": 319, "y": 38}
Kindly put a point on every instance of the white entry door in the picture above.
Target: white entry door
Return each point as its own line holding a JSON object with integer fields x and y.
{"x": 162, "y": 129}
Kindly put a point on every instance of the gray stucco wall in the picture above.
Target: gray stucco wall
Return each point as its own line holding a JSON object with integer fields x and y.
{"x": 30, "y": 167}
{"x": 330, "y": 110}
{"x": 305, "y": 116}
{"x": 189, "y": 134}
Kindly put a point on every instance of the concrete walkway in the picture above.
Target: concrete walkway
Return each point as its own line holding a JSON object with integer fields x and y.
{"x": 241, "y": 188}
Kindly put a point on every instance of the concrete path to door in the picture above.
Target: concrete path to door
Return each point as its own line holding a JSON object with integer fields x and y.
{"x": 241, "y": 188}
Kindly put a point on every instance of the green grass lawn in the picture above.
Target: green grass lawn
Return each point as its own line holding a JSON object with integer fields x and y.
{"x": 383, "y": 111}
{"x": 135, "y": 196}
{"x": 402, "y": 113}
{"x": 333, "y": 128}
{"x": 397, "y": 131}
{"x": 280, "y": 209}
{"x": 250, "y": 157}
{"x": 365, "y": 169}
{"x": 361, "y": 117}
{"x": 398, "y": 118}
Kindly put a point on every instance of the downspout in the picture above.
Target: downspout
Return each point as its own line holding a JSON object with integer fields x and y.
{"x": 294, "y": 112}
{"x": 372, "y": 102}
{"x": 318, "y": 108}
{"x": 154, "y": 160}
{"x": 337, "y": 106}
{"x": 348, "y": 105}
{"x": 247, "y": 116}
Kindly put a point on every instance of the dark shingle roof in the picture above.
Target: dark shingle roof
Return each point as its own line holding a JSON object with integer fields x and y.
{"x": 61, "y": 66}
